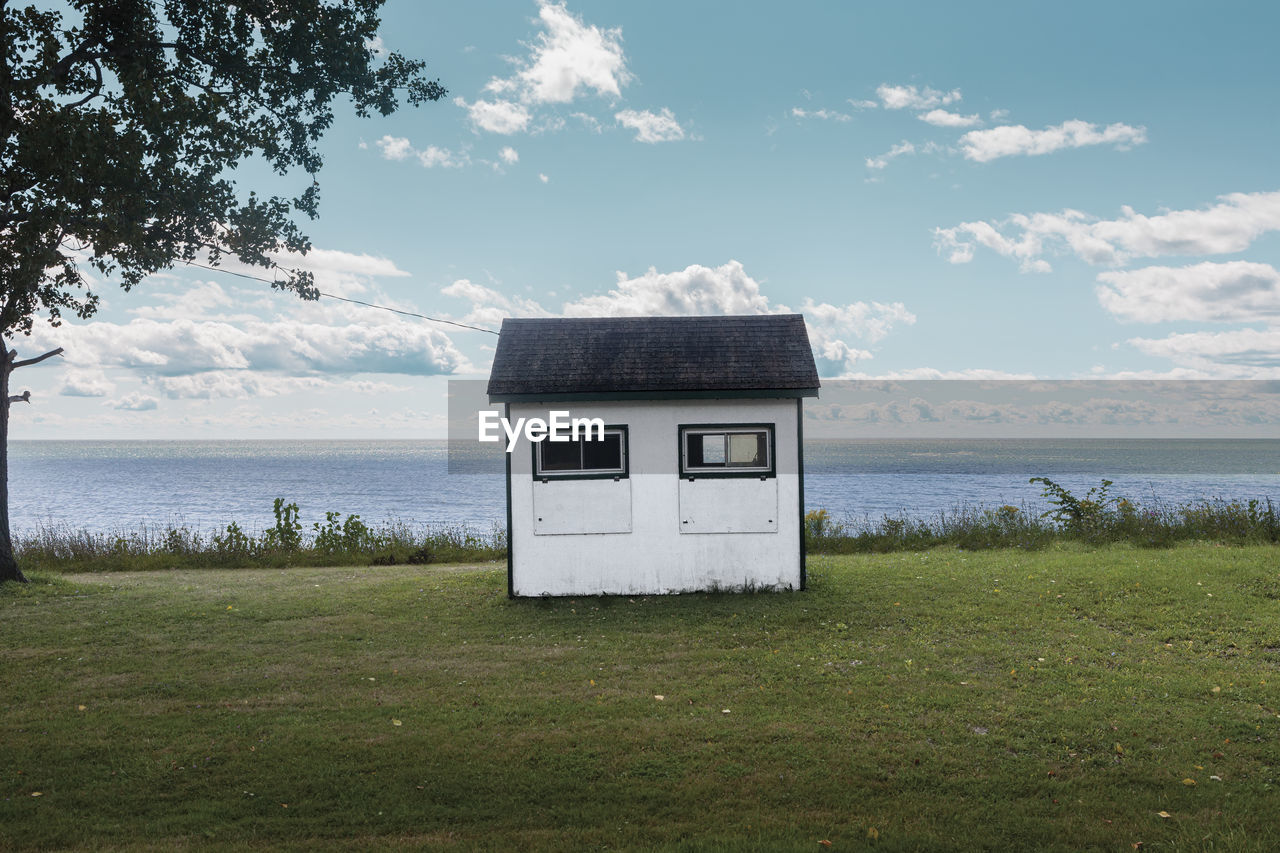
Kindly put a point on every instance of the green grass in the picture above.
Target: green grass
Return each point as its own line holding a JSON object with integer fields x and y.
{"x": 947, "y": 700}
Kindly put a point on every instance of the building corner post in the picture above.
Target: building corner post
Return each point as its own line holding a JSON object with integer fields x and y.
{"x": 804, "y": 574}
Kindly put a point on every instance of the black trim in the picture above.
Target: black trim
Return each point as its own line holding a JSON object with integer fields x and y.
{"x": 511, "y": 533}
{"x": 625, "y": 473}
{"x": 728, "y": 473}
{"x": 804, "y": 571}
{"x": 605, "y": 396}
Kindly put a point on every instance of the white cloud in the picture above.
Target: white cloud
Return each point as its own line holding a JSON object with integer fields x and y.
{"x": 337, "y": 272}
{"x": 489, "y": 307}
{"x": 590, "y": 122}
{"x": 825, "y": 115}
{"x": 728, "y": 289}
{"x": 399, "y": 148}
{"x": 504, "y": 117}
{"x": 568, "y": 56}
{"x": 136, "y": 401}
{"x": 233, "y": 384}
{"x": 831, "y": 325}
{"x": 881, "y": 161}
{"x": 1243, "y": 353}
{"x": 1227, "y": 227}
{"x": 1025, "y": 249}
{"x": 942, "y": 118}
{"x": 543, "y": 178}
{"x": 509, "y": 155}
{"x": 433, "y": 156}
{"x": 1015, "y": 139}
{"x": 394, "y": 147}
{"x": 334, "y": 262}
{"x": 88, "y": 382}
{"x": 201, "y": 328}
{"x": 1229, "y": 292}
{"x": 651, "y": 127}
{"x": 697, "y": 291}
{"x": 933, "y": 373}
{"x": 181, "y": 347}
{"x": 199, "y": 298}
{"x": 862, "y": 105}
{"x": 909, "y": 97}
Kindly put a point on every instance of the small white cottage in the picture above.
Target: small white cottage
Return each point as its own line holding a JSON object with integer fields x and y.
{"x": 698, "y": 481}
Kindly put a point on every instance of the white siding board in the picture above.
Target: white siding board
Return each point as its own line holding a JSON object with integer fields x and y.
{"x": 729, "y": 505}
{"x": 566, "y": 507}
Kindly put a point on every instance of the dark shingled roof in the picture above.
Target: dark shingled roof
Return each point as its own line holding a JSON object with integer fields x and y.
{"x": 666, "y": 356}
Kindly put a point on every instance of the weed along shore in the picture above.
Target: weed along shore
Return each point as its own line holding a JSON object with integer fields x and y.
{"x": 336, "y": 541}
{"x": 1076, "y": 696}
{"x": 1097, "y": 517}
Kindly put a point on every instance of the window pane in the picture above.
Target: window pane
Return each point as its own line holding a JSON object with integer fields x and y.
{"x": 748, "y": 449}
{"x": 707, "y": 449}
{"x": 603, "y": 455}
{"x": 560, "y": 455}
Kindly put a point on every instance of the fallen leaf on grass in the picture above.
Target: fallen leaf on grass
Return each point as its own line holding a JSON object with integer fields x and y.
{"x": 1216, "y": 778}
{"x": 873, "y": 833}
{"x": 396, "y": 723}
{"x": 825, "y": 843}
{"x": 659, "y": 696}
{"x": 1164, "y": 815}
{"x": 37, "y": 793}
{"x": 1188, "y": 781}
{"x": 80, "y": 707}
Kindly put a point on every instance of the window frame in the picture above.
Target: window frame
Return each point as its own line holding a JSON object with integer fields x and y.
{"x": 726, "y": 471}
{"x": 622, "y": 473}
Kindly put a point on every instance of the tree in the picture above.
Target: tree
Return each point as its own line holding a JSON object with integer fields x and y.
{"x": 122, "y": 123}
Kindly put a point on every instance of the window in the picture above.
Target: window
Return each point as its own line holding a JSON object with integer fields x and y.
{"x": 726, "y": 450}
{"x": 582, "y": 459}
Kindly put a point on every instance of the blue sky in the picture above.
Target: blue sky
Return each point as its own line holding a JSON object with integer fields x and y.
{"x": 945, "y": 190}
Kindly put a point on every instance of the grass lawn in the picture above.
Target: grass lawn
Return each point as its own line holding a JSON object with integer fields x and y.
{"x": 1062, "y": 699}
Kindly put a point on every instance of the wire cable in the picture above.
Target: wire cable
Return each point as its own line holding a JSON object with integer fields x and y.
{"x": 345, "y": 299}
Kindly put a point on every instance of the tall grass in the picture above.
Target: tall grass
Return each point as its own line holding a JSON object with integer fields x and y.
{"x": 336, "y": 541}
{"x": 1096, "y": 518}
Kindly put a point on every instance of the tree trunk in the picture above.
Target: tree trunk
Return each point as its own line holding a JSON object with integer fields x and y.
{"x": 9, "y": 570}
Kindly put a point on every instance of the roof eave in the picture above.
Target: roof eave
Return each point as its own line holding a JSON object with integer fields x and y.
{"x": 615, "y": 396}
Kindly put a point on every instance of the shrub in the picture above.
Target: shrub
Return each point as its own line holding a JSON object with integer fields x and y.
{"x": 1089, "y": 517}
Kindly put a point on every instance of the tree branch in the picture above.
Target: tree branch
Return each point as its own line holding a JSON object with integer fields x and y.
{"x": 29, "y": 361}
{"x": 24, "y": 397}
{"x": 97, "y": 89}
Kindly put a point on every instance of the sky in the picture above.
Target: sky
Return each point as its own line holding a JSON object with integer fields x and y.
{"x": 945, "y": 191}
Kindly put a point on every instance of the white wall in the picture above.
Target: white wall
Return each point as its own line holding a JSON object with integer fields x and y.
{"x": 639, "y": 542}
